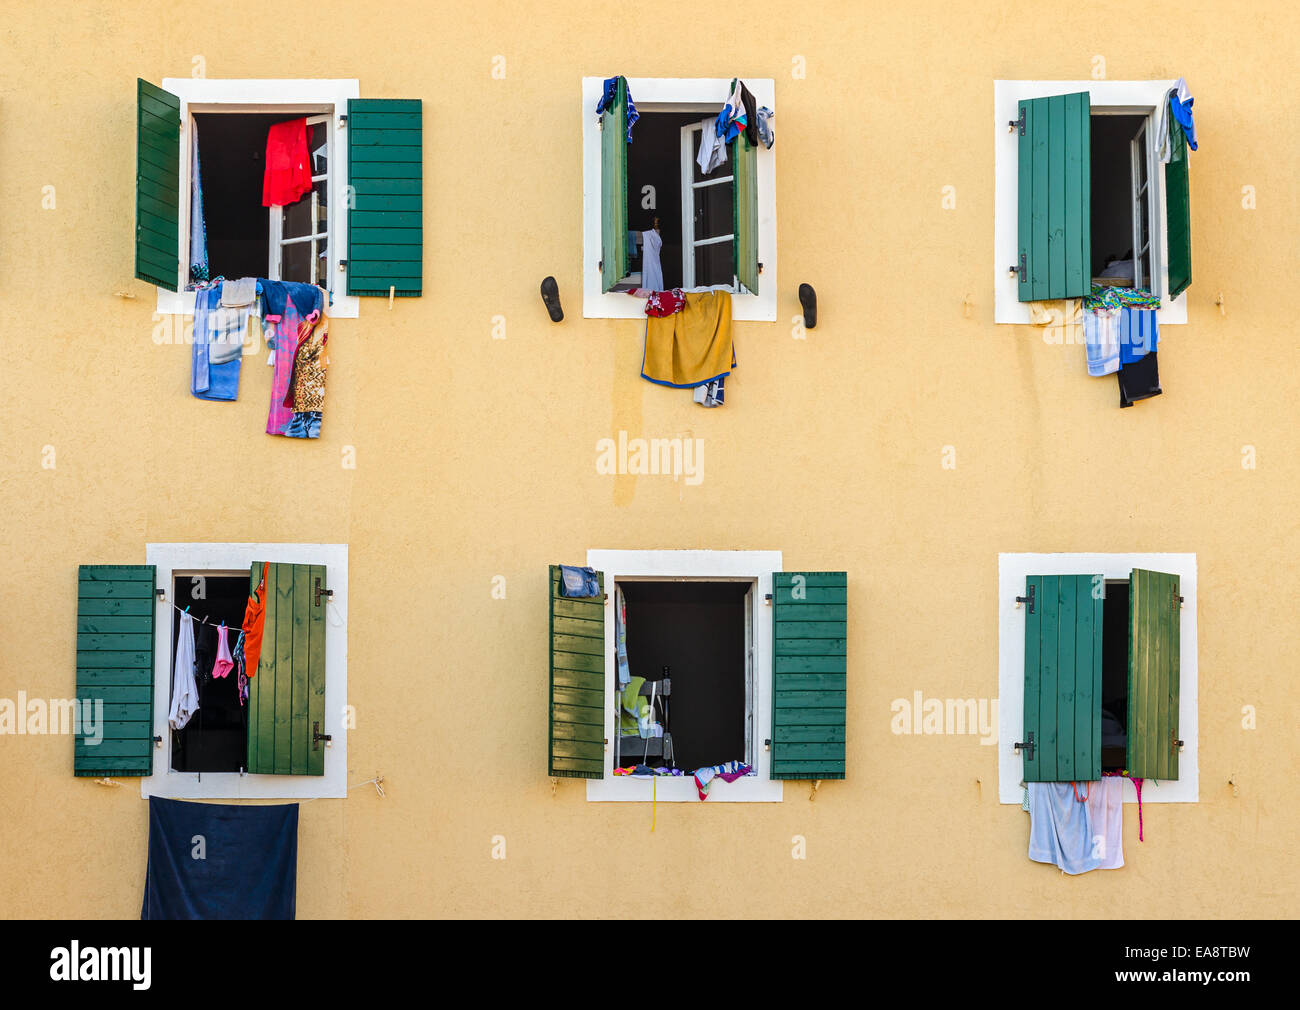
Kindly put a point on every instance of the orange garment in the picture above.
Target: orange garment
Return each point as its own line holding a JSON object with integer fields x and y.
{"x": 254, "y": 624}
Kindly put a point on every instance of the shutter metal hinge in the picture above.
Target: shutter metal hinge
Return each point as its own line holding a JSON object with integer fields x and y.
{"x": 318, "y": 592}
{"x": 1175, "y": 745}
{"x": 1024, "y": 273}
{"x": 1012, "y": 124}
{"x": 1027, "y": 599}
{"x": 1027, "y": 747}
{"x": 760, "y": 268}
{"x": 317, "y": 736}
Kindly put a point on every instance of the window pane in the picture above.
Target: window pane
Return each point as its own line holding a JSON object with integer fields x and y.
{"x": 714, "y": 264}
{"x": 297, "y": 218}
{"x": 714, "y": 214}
{"x": 318, "y": 148}
{"x": 322, "y": 262}
{"x": 296, "y": 262}
{"x": 724, "y": 169}
{"x": 322, "y": 206}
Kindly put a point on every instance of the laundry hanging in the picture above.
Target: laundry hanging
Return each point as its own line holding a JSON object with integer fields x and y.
{"x": 692, "y": 347}
{"x": 215, "y": 379}
{"x": 185, "y": 690}
{"x": 609, "y": 93}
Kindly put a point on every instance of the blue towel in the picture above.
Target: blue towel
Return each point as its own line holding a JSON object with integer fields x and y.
{"x": 1060, "y": 829}
{"x": 1138, "y": 334}
{"x": 248, "y": 869}
{"x": 209, "y": 381}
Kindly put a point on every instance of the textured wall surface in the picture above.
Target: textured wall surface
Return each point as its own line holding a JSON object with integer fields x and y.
{"x": 475, "y": 457}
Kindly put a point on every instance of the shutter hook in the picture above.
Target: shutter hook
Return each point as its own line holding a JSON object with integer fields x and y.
{"x": 391, "y": 291}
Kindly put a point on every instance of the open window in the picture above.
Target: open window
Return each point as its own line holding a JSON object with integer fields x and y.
{"x": 1101, "y": 688}
{"x": 725, "y": 662}
{"x": 276, "y": 738}
{"x": 1082, "y": 198}
{"x": 717, "y": 227}
{"x": 200, "y": 161}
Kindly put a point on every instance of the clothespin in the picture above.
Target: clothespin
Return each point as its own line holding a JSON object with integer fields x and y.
{"x": 391, "y": 290}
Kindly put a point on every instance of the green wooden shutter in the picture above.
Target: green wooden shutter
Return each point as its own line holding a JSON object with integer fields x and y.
{"x": 1178, "y": 214}
{"x": 613, "y": 190}
{"x": 1153, "y": 668}
{"x": 1054, "y": 213}
{"x": 745, "y": 211}
{"x": 810, "y": 639}
{"x": 386, "y": 176}
{"x": 1063, "y": 678}
{"x": 286, "y": 699}
{"x": 115, "y": 642}
{"x": 577, "y": 703}
{"x": 157, "y": 185}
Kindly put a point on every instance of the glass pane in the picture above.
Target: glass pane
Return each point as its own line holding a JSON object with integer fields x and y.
{"x": 318, "y": 148}
{"x": 322, "y": 262}
{"x": 322, "y": 206}
{"x": 297, "y": 218}
{"x": 697, "y": 136}
{"x": 295, "y": 262}
{"x": 714, "y": 214}
{"x": 1143, "y": 221}
{"x": 714, "y": 264}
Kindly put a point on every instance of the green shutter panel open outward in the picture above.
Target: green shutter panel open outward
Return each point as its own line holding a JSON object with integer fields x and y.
{"x": 1178, "y": 214}
{"x": 157, "y": 185}
{"x": 286, "y": 699}
{"x": 809, "y": 672}
{"x": 745, "y": 212}
{"x": 115, "y": 641}
{"x": 1063, "y": 678}
{"x": 386, "y": 219}
{"x": 1054, "y": 211}
{"x": 1153, "y": 669}
{"x": 613, "y": 190}
{"x": 577, "y": 702}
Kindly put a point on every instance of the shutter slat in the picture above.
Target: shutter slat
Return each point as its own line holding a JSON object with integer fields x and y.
{"x": 1062, "y": 699}
{"x": 115, "y": 669}
{"x": 158, "y": 183}
{"x": 1178, "y": 213}
{"x": 613, "y": 190}
{"x": 1153, "y": 676}
{"x": 745, "y": 212}
{"x": 386, "y": 171}
{"x": 576, "y": 711}
{"x": 1054, "y": 198}
{"x": 288, "y": 693}
{"x": 809, "y": 673}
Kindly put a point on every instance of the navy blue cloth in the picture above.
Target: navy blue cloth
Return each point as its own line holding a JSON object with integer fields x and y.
{"x": 306, "y": 297}
{"x": 610, "y": 93}
{"x": 248, "y": 869}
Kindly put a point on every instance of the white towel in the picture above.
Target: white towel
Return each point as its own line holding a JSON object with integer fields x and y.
{"x": 1060, "y": 830}
{"x": 713, "y": 151}
{"x": 1101, "y": 340}
{"x": 240, "y": 292}
{"x": 1106, "y": 815}
{"x": 185, "y": 691}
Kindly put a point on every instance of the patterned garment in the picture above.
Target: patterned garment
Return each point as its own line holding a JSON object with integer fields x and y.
{"x": 285, "y": 326}
{"x": 728, "y": 771}
{"x": 307, "y": 383}
{"x": 238, "y": 655}
{"x": 665, "y": 303}
{"x": 1110, "y": 297}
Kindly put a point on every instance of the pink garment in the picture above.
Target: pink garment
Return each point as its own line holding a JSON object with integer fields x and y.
{"x": 224, "y": 663}
{"x": 287, "y": 327}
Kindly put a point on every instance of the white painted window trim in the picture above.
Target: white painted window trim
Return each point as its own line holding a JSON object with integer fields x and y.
{"x": 1135, "y": 97}
{"x": 310, "y": 97}
{"x": 703, "y": 565}
{"x": 674, "y": 94}
{"x": 1013, "y": 570}
{"x": 236, "y": 558}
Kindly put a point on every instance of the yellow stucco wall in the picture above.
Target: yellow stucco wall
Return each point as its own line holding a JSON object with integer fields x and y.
{"x": 475, "y": 457}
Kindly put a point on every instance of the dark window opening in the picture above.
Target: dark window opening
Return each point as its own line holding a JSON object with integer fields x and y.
{"x": 655, "y": 160}
{"x": 1114, "y": 676}
{"x": 693, "y": 633}
{"x": 232, "y": 160}
{"x": 1117, "y": 199}
{"x": 216, "y": 737}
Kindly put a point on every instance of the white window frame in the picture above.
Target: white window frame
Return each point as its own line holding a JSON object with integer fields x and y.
{"x": 704, "y": 566}
{"x": 689, "y": 186}
{"x": 1013, "y": 570}
{"x": 309, "y": 97}
{"x": 222, "y": 559}
{"x": 1106, "y": 98}
{"x": 705, "y": 95}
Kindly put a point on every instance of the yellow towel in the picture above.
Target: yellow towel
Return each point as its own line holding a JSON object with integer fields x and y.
{"x": 693, "y": 346}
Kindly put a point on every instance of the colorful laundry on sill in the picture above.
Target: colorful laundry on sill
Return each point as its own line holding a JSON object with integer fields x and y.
{"x": 287, "y": 176}
{"x": 1112, "y": 297}
{"x": 665, "y": 303}
{"x": 728, "y": 771}
{"x": 609, "y": 93}
{"x": 644, "y": 771}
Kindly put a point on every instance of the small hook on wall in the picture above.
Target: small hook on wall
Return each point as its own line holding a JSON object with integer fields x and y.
{"x": 1219, "y": 302}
